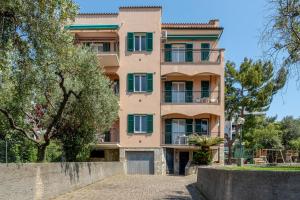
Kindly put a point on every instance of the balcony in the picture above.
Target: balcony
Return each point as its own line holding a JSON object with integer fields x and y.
{"x": 191, "y": 103}
{"x": 190, "y": 97}
{"x": 109, "y": 139}
{"x": 192, "y": 61}
{"x": 182, "y": 138}
{"x": 104, "y": 44}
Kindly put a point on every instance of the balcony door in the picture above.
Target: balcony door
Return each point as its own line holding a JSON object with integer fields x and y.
{"x": 178, "y": 92}
{"x": 178, "y": 131}
{"x": 178, "y": 53}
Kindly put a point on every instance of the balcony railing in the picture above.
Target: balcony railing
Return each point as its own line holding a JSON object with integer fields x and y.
{"x": 107, "y": 137}
{"x": 191, "y": 56}
{"x": 182, "y": 138}
{"x": 188, "y": 96}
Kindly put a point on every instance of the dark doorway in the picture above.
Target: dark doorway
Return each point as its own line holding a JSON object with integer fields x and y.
{"x": 170, "y": 160}
{"x": 183, "y": 160}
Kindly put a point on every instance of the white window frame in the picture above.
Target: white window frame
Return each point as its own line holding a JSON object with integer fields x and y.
{"x": 177, "y": 49}
{"x": 140, "y": 122}
{"x": 140, "y": 85}
{"x": 139, "y": 35}
{"x": 178, "y": 93}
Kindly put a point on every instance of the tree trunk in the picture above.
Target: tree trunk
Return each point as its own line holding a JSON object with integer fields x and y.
{"x": 42, "y": 152}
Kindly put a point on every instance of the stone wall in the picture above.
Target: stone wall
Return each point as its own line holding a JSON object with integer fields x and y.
{"x": 219, "y": 184}
{"x": 47, "y": 180}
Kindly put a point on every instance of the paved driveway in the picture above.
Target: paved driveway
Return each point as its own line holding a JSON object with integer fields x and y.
{"x": 138, "y": 188}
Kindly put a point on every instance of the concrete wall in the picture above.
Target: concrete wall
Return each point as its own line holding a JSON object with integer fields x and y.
{"x": 48, "y": 180}
{"x": 218, "y": 184}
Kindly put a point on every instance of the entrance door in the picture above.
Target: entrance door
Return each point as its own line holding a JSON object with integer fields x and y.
{"x": 170, "y": 160}
{"x": 183, "y": 160}
{"x": 178, "y": 92}
{"x": 178, "y": 130}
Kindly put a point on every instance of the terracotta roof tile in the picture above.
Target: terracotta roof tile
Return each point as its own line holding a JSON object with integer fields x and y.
{"x": 140, "y": 7}
{"x": 95, "y": 13}
{"x": 209, "y": 25}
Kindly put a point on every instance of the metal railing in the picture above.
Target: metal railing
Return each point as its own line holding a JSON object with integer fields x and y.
{"x": 192, "y": 56}
{"x": 188, "y": 96}
{"x": 107, "y": 138}
{"x": 182, "y": 138}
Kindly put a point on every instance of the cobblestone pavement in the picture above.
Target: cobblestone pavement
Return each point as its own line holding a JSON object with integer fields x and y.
{"x": 138, "y": 188}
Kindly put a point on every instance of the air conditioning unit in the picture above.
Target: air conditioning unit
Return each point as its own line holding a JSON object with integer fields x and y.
{"x": 164, "y": 34}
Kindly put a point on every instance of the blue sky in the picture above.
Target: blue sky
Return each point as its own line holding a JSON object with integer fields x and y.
{"x": 243, "y": 23}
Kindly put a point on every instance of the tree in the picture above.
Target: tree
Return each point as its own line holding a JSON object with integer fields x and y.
{"x": 268, "y": 137}
{"x": 250, "y": 88}
{"x": 290, "y": 130}
{"x": 283, "y": 32}
{"x": 45, "y": 79}
{"x": 203, "y": 156}
{"x": 295, "y": 144}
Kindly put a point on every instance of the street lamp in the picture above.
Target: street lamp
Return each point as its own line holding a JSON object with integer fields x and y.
{"x": 240, "y": 122}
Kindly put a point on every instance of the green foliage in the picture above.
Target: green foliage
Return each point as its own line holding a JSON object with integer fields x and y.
{"x": 251, "y": 87}
{"x": 268, "y": 137}
{"x": 204, "y": 141}
{"x": 48, "y": 84}
{"x": 54, "y": 152}
{"x": 202, "y": 158}
{"x": 283, "y": 34}
{"x": 295, "y": 144}
{"x": 290, "y": 130}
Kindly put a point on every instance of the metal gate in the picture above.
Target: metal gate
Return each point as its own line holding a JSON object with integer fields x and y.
{"x": 140, "y": 162}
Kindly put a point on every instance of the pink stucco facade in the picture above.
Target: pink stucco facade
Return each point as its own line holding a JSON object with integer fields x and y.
{"x": 205, "y": 67}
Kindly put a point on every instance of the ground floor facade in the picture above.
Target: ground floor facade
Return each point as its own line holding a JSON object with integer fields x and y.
{"x": 157, "y": 161}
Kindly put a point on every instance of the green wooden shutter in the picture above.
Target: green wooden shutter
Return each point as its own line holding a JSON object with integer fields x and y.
{"x": 149, "y": 82}
{"x": 205, "y": 89}
{"x": 189, "y": 126}
{"x": 168, "y": 52}
{"x": 198, "y": 126}
{"x": 168, "y": 91}
{"x": 106, "y": 46}
{"x": 204, "y": 52}
{"x": 149, "y": 41}
{"x": 129, "y": 82}
{"x": 189, "y": 91}
{"x": 130, "y": 123}
{"x": 149, "y": 123}
{"x": 130, "y": 37}
{"x": 189, "y": 53}
{"x": 168, "y": 131}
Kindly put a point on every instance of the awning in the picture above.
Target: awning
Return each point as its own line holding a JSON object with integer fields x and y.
{"x": 92, "y": 27}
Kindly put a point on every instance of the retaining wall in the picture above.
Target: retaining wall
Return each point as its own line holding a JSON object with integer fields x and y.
{"x": 48, "y": 180}
{"x": 220, "y": 184}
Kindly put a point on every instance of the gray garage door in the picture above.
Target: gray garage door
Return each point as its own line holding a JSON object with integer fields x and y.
{"x": 140, "y": 162}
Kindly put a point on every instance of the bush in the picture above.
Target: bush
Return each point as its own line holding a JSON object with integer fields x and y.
{"x": 202, "y": 158}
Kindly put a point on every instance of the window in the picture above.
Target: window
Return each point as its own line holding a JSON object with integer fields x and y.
{"x": 178, "y": 53}
{"x": 140, "y": 83}
{"x": 178, "y": 92}
{"x": 205, "y": 51}
{"x": 139, "y": 42}
{"x": 140, "y": 123}
{"x": 202, "y": 126}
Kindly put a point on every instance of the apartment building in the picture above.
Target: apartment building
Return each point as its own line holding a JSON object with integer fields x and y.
{"x": 170, "y": 81}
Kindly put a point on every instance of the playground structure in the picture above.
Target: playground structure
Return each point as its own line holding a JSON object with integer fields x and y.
{"x": 266, "y": 156}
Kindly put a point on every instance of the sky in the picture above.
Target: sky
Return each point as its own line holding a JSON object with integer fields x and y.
{"x": 243, "y": 22}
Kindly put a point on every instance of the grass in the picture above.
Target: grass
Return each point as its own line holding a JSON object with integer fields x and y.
{"x": 263, "y": 168}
